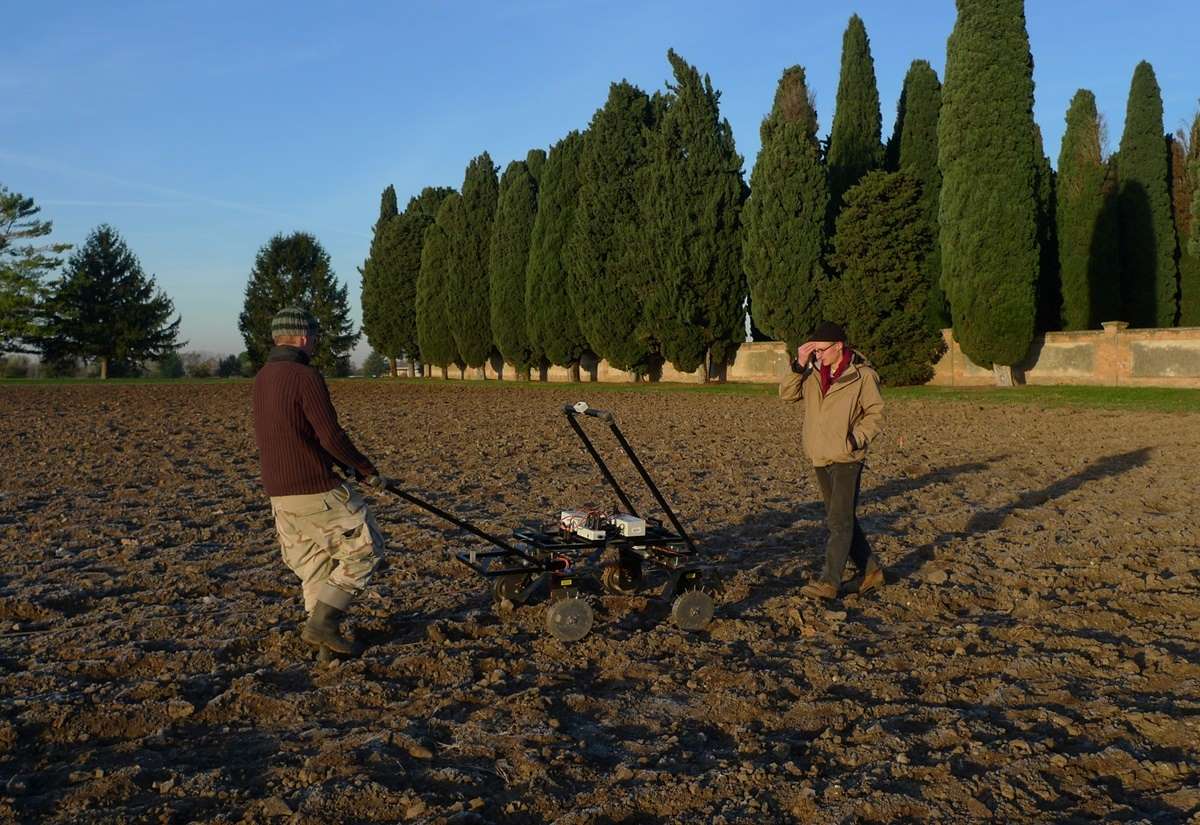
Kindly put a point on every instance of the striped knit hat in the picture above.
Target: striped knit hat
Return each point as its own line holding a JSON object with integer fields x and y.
{"x": 293, "y": 320}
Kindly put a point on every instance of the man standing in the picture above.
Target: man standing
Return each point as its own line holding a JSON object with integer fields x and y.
{"x": 843, "y": 412}
{"x": 326, "y": 531}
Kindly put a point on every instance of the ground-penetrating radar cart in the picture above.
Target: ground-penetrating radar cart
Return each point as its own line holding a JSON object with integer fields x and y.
{"x": 628, "y": 550}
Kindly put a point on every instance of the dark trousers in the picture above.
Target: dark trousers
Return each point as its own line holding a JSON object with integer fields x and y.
{"x": 839, "y": 485}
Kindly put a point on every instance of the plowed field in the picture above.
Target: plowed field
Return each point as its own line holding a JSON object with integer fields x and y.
{"x": 1034, "y": 657}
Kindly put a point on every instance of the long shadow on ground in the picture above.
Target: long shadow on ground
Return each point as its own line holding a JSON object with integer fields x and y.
{"x": 749, "y": 533}
{"x": 987, "y": 520}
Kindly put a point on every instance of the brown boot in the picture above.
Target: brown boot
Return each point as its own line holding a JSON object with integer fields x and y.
{"x": 820, "y": 589}
{"x": 872, "y": 581}
{"x": 321, "y": 630}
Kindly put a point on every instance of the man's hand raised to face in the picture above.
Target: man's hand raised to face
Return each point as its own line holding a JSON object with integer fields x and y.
{"x": 805, "y": 352}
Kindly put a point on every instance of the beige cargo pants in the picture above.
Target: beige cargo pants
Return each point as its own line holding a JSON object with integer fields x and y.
{"x": 331, "y": 541}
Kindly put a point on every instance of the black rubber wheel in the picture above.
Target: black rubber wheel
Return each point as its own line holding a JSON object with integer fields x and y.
{"x": 617, "y": 581}
{"x": 693, "y": 610}
{"x": 569, "y": 619}
{"x": 509, "y": 587}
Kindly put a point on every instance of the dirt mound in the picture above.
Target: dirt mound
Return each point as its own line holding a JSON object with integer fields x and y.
{"x": 1034, "y": 657}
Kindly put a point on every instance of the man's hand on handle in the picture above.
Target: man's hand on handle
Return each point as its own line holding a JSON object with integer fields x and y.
{"x": 377, "y": 483}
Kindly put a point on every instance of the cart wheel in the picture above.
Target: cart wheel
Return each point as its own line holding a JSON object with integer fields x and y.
{"x": 509, "y": 587}
{"x": 693, "y": 610}
{"x": 618, "y": 581}
{"x": 569, "y": 619}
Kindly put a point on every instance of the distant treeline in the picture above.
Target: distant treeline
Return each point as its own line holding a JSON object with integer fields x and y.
{"x": 638, "y": 240}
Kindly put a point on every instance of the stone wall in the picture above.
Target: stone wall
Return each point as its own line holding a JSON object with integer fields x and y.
{"x": 1114, "y": 356}
{"x": 762, "y": 362}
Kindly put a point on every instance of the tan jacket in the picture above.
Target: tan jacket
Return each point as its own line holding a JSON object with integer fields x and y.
{"x": 839, "y": 426}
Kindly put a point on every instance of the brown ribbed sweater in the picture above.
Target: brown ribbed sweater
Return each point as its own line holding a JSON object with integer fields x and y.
{"x": 295, "y": 425}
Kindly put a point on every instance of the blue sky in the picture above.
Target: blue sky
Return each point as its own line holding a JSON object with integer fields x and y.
{"x": 201, "y": 129}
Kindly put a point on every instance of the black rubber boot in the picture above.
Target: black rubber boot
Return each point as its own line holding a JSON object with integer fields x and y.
{"x": 321, "y": 630}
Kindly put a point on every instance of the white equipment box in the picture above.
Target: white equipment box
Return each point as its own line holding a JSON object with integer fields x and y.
{"x": 628, "y": 525}
{"x": 576, "y": 521}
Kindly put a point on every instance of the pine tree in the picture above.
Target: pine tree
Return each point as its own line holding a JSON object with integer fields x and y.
{"x": 470, "y": 233}
{"x": 23, "y": 269}
{"x": 855, "y": 138}
{"x": 1049, "y": 286}
{"x": 1149, "y": 277}
{"x": 295, "y": 270}
{"x": 1185, "y": 203}
{"x": 1086, "y": 224}
{"x": 229, "y": 367}
{"x": 170, "y": 365}
{"x": 692, "y": 227}
{"x": 784, "y": 218}
{"x": 552, "y": 326}
{"x": 105, "y": 309}
{"x": 882, "y": 237}
{"x": 379, "y": 279}
{"x": 509, "y": 253}
{"x": 988, "y": 209}
{"x": 375, "y": 365}
{"x": 607, "y": 269}
{"x": 435, "y": 340}
{"x": 913, "y": 149}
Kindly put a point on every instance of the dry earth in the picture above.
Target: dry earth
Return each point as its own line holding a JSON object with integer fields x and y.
{"x": 1034, "y": 658}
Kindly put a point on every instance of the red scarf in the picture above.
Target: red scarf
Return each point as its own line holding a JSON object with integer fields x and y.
{"x": 827, "y": 376}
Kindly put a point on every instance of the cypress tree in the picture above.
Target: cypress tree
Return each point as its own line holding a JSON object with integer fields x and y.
{"x": 988, "y": 209}
{"x": 914, "y": 145}
{"x": 535, "y": 161}
{"x": 1086, "y": 224}
{"x": 379, "y": 277}
{"x": 469, "y": 230}
{"x": 552, "y": 326}
{"x": 1149, "y": 277}
{"x": 882, "y": 237}
{"x": 434, "y": 336}
{"x": 1049, "y": 286}
{"x": 606, "y": 266}
{"x": 1185, "y": 189}
{"x": 1194, "y": 165}
{"x": 785, "y": 217}
{"x": 855, "y": 145}
{"x": 891, "y": 149}
{"x": 693, "y": 199}
{"x": 509, "y": 258}
{"x": 409, "y": 231}
{"x": 1111, "y": 244}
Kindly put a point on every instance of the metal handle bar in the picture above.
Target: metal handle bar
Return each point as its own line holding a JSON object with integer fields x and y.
{"x": 581, "y": 408}
{"x": 395, "y": 490}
